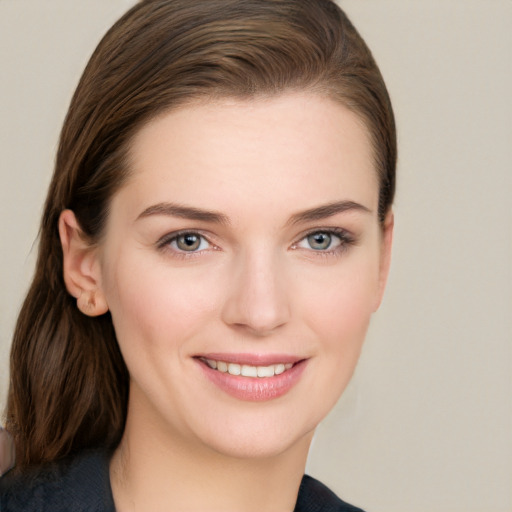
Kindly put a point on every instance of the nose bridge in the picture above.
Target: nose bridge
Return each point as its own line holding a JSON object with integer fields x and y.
{"x": 258, "y": 299}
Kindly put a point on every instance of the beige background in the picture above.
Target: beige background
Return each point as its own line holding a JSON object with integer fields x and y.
{"x": 427, "y": 422}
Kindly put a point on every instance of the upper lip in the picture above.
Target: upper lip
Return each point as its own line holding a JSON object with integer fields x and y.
{"x": 252, "y": 359}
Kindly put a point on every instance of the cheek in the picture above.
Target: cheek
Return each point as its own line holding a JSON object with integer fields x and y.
{"x": 336, "y": 309}
{"x": 154, "y": 307}
{"x": 339, "y": 307}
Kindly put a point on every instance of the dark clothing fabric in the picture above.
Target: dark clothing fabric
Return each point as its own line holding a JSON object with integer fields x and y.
{"x": 82, "y": 484}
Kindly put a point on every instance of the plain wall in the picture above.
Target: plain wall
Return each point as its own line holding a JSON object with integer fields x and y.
{"x": 426, "y": 423}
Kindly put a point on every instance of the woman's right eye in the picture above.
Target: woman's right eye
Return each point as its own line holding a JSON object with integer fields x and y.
{"x": 186, "y": 242}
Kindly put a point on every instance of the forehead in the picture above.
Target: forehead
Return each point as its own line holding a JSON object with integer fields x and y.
{"x": 298, "y": 148}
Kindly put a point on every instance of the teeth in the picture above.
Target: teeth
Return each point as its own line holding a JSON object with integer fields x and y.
{"x": 247, "y": 370}
{"x": 211, "y": 363}
{"x": 234, "y": 369}
{"x": 279, "y": 368}
{"x": 266, "y": 371}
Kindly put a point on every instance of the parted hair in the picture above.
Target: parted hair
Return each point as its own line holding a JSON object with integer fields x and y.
{"x": 68, "y": 382}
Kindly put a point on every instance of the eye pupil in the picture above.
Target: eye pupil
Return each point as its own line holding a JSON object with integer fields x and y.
{"x": 319, "y": 241}
{"x": 188, "y": 242}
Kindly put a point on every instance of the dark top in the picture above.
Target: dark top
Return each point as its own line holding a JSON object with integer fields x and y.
{"x": 82, "y": 484}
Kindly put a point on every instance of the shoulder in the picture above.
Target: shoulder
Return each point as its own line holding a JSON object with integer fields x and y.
{"x": 80, "y": 484}
{"x": 316, "y": 497}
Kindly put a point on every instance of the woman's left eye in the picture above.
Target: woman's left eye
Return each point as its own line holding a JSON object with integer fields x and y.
{"x": 322, "y": 241}
{"x": 187, "y": 242}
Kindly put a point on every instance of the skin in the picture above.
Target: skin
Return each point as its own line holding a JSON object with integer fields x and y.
{"x": 255, "y": 285}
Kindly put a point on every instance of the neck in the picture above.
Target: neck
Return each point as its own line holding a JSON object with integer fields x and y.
{"x": 164, "y": 471}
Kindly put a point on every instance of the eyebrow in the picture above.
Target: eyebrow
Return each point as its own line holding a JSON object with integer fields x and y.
{"x": 199, "y": 214}
{"x": 326, "y": 211}
{"x": 184, "y": 212}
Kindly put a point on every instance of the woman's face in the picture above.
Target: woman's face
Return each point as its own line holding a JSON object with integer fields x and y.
{"x": 246, "y": 241}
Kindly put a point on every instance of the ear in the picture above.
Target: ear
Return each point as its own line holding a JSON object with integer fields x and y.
{"x": 385, "y": 256}
{"x": 82, "y": 270}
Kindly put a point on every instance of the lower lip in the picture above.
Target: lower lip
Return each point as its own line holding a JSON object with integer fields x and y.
{"x": 255, "y": 389}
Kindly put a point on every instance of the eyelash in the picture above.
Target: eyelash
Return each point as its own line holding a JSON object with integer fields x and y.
{"x": 345, "y": 241}
{"x": 164, "y": 244}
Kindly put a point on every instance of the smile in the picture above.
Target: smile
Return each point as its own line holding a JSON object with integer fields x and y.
{"x": 267, "y": 378}
{"x": 246, "y": 370}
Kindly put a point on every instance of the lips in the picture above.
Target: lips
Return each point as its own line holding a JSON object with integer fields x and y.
{"x": 252, "y": 377}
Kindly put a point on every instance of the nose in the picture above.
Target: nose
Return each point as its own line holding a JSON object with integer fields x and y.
{"x": 258, "y": 296}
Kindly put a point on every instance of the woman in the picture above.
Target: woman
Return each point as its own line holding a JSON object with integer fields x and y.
{"x": 216, "y": 237}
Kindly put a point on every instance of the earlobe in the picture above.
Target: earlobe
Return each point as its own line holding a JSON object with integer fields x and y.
{"x": 385, "y": 256}
{"x": 92, "y": 303}
{"x": 81, "y": 267}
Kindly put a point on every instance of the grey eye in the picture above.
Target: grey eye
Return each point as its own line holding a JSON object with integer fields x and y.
{"x": 189, "y": 242}
{"x": 323, "y": 241}
{"x": 319, "y": 241}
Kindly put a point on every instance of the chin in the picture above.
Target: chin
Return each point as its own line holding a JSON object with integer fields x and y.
{"x": 255, "y": 430}
{"x": 255, "y": 444}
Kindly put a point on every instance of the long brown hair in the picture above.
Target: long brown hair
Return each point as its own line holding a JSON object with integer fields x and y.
{"x": 69, "y": 384}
